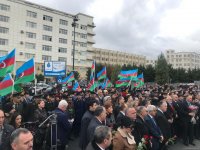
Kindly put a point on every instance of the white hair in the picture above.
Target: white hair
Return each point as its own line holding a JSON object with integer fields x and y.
{"x": 63, "y": 103}
{"x": 150, "y": 108}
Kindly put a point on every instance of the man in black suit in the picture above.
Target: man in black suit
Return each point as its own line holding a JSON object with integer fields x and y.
{"x": 154, "y": 129}
{"x": 185, "y": 118}
{"x": 88, "y": 115}
{"x": 100, "y": 117}
{"x": 163, "y": 123}
{"x": 140, "y": 128}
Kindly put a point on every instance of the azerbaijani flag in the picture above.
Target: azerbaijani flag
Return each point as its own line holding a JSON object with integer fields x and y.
{"x": 140, "y": 81}
{"x": 92, "y": 70}
{"x": 26, "y": 72}
{"x": 101, "y": 74}
{"x": 128, "y": 73}
{"x": 6, "y": 85}
{"x": 7, "y": 63}
{"x": 92, "y": 85}
{"x": 106, "y": 84}
{"x": 68, "y": 79}
{"x": 121, "y": 83}
{"x": 76, "y": 87}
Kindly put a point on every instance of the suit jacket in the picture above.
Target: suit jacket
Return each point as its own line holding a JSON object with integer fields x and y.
{"x": 119, "y": 119}
{"x": 5, "y": 139}
{"x": 63, "y": 126}
{"x": 91, "y": 128}
{"x": 154, "y": 129}
{"x": 171, "y": 112}
{"x": 164, "y": 125}
{"x": 184, "y": 111}
{"x": 140, "y": 129}
{"x": 93, "y": 146}
{"x": 84, "y": 125}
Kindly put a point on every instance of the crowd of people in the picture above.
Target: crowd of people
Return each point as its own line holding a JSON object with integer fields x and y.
{"x": 110, "y": 119}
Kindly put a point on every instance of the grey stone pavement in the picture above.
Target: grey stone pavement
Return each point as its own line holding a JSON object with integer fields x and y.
{"x": 73, "y": 145}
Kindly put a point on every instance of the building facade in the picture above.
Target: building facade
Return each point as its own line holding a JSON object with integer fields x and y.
{"x": 45, "y": 34}
{"x": 186, "y": 60}
{"x": 151, "y": 62}
{"x": 106, "y": 56}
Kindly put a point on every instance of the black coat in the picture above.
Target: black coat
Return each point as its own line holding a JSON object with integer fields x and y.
{"x": 164, "y": 125}
{"x": 84, "y": 125}
{"x": 7, "y": 131}
{"x": 63, "y": 126}
{"x": 140, "y": 129}
{"x": 154, "y": 131}
{"x": 91, "y": 128}
{"x": 184, "y": 111}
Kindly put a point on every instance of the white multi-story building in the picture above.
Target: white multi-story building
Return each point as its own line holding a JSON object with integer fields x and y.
{"x": 106, "y": 56}
{"x": 45, "y": 34}
{"x": 151, "y": 62}
{"x": 186, "y": 60}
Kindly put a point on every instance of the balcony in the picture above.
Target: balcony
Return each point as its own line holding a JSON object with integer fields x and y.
{"x": 91, "y": 25}
{"x": 90, "y": 32}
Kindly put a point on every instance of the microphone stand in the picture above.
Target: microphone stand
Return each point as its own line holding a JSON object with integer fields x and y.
{"x": 53, "y": 124}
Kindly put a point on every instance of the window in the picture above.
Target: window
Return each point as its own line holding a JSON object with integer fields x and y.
{"x": 84, "y": 36}
{"x": 48, "y": 18}
{"x": 62, "y": 50}
{"x": 62, "y": 59}
{"x": 63, "y": 31}
{"x": 29, "y": 55}
{"x": 31, "y": 14}
{"x": 61, "y": 40}
{"x": 47, "y": 28}
{"x": 31, "y": 35}
{"x": 46, "y": 48}
{"x": 4, "y": 30}
{"x": 64, "y": 22}
{"x": 31, "y": 24}
{"x": 30, "y": 45}
{"x": 3, "y": 41}
{"x": 46, "y": 58}
{"x": 47, "y": 38}
{"x": 3, "y": 53}
{"x": 83, "y": 44}
{"x": 83, "y": 27}
{"x": 4, "y": 18}
{"x": 4, "y": 7}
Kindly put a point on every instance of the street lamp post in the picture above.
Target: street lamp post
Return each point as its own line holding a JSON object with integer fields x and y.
{"x": 74, "y": 25}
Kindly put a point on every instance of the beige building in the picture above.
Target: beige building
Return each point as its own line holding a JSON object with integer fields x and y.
{"x": 45, "y": 34}
{"x": 106, "y": 56}
{"x": 151, "y": 62}
{"x": 184, "y": 60}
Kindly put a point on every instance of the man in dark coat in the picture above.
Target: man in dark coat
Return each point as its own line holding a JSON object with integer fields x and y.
{"x": 102, "y": 139}
{"x": 140, "y": 128}
{"x": 5, "y": 132}
{"x": 163, "y": 123}
{"x": 79, "y": 110}
{"x": 63, "y": 125}
{"x": 154, "y": 129}
{"x": 100, "y": 117}
{"x": 185, "y": 118}
{"x": 88, "y": 115}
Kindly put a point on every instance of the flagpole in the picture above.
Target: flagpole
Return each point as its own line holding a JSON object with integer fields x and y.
{"x": 94, "y": 72}
{"x": 34, "y": 77}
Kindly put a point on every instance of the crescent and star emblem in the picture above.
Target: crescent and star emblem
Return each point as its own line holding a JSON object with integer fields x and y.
{"x": 2, "y": 64}
{"x": 21, "y": 75}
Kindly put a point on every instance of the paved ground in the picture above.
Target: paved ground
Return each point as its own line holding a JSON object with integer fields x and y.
{"x": 73, "y": 145}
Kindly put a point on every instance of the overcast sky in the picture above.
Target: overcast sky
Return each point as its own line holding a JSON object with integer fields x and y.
{"x": 144, "y": 27}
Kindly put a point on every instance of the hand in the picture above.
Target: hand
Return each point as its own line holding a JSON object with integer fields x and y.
{"x": 161, "y": 138}
{"x": 191, "y": 114}
{"x": 12, "y": 111}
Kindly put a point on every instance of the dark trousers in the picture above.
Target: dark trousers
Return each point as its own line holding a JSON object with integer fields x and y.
{"x": 61, "y": 147}
{"x": 188, "y": 132}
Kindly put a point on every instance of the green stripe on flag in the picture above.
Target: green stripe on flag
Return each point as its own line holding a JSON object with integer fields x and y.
{"x": 6, "y": 91}
{"x": 25, "y": 79}
{"x": 4, "y": 71}
{"x": 122, "y": 84}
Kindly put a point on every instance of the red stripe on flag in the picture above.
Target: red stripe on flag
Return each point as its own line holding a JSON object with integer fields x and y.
{"x": 8, "y": 62}
{"x": 6, "y": 84}
{"x": 29, "y": 71}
